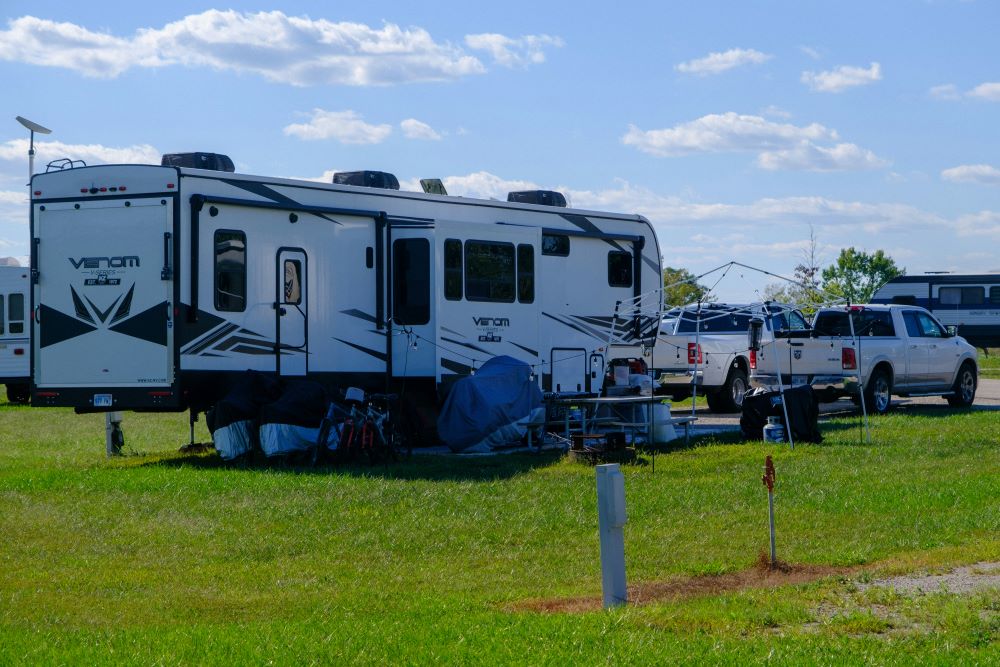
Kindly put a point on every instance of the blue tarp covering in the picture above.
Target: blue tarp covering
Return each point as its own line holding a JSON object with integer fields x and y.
{"x": 500, "y": 394}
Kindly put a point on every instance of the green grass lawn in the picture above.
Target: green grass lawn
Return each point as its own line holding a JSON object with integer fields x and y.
{"x": 163, "y": 558}
{"x": 989, "y": 365}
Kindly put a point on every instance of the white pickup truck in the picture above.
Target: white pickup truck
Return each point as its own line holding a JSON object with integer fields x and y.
{"x": 895, "y": 350}
{"x": 708, "y": 348}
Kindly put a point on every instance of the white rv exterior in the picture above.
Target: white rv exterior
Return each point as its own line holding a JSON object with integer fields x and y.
{"x": 155, "y": 286}
{"x": 15, "y": 346}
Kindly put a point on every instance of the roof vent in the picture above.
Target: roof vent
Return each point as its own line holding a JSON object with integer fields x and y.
{"x": 542, "y": 197}
{"x": 212, "y": 161}
{"x": 367, "y": 179}
{"x": 433, "y": 186}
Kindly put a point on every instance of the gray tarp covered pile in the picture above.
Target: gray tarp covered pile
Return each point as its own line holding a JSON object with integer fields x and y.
{"x": 490, "y": 409}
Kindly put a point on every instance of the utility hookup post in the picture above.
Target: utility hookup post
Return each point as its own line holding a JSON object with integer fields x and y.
{"x": 768, "y": 480}
{"x": 611, "y": 522}
{"x": 113, "y": 436}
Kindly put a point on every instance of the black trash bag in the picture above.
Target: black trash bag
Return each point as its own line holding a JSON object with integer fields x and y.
{"x": 803, "y": 413}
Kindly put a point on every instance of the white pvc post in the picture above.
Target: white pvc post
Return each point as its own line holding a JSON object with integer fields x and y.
{"x": 611, "y": 520}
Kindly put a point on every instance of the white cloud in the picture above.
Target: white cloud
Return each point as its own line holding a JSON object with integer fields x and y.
{"x": 989, "y": 91}
{"x": 296, "y": 50}
{"x": 17, "y": 149}
{"x": 716, "y": 63}
{"x": 973, "y": 173}
{"x": 19, "y": 198}
{"x": 775, "y": 112}
{"x": 946, "y": 91}
{"x": 485, "y": 185}
{"x": 343, "y": 126}
{"x": 983, "y": 223}
{"x": 778, "y": 145}
{"x": 807, "y": 156}
{"x": 718, "y": 133}
{"x": 513, "y": 52}
{"x": 986, "y": 91}
{"x": 842, "y": 78}
{"x": 811, "y": 52}
{"x": 415, "y": 129}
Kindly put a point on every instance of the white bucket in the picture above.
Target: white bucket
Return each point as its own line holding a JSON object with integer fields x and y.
{"x": 662, "y": 432}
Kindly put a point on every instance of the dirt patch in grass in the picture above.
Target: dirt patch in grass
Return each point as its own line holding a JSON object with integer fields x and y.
{"x": 968, "y": 579}
{"x": 762, "y": 575}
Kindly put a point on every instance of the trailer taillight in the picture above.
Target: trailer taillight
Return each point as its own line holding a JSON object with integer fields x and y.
{"x": 847, "y": 359}
{"x": 170, "y": 186}
{"x": 753, "y": 359}
{"x": 694, "y": 353}
{"x": 18, "y": 351}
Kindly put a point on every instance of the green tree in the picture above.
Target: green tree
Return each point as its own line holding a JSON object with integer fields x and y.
{"x": 680, "y": 287}
{"x": 856, "y": 274}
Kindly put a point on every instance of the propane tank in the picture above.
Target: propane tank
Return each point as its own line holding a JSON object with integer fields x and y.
{"x": 774, "y": 430}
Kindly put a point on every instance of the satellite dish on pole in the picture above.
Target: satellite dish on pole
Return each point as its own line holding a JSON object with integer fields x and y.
{"x": 32, "y": 127}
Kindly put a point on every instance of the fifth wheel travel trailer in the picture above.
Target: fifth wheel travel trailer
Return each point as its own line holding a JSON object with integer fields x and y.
{"x": 14, "y": 330}
{"x": 154, "y": 287}
{"x": 970, "y": 302}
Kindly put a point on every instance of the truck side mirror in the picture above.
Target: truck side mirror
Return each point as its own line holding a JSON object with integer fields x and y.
{"x": 952, "y": 330}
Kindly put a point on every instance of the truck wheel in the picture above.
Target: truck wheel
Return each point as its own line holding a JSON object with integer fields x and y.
{"x": 964, "y": 388}
{"x": 878, "y": 393}
{"x": 18, "y": 393}
{"x": 730, "y": 397}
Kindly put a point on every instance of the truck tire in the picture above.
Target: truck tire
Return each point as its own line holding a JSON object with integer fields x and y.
{"x": 878, "y": 392}
{"x": 18, "y": 393}
{"x": 730, "y": 397}
{"x": 964, "y": 387}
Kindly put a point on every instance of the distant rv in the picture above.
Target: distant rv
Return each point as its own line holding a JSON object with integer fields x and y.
{"x": 970, "y": 302}
{"x": 15, "y": 344}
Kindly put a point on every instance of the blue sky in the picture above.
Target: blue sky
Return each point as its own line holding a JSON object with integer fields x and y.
{"x": 733, "y": 126}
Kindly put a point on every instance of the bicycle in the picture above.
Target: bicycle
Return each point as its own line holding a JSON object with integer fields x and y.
{"x": 367, "y": 430}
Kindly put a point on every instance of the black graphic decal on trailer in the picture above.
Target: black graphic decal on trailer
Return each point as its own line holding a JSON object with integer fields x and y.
{"x": 57, "y": 327}
{"x": 149, "y": 325}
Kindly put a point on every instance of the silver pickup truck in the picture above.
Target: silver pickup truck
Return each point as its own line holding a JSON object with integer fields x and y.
{"x": 707, "y": 347}
{"x": 886, "y": 349}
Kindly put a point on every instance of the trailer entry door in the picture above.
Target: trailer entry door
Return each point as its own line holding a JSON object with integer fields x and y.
{"x": 103, "y": 329}
{"x": 291, "y": 306}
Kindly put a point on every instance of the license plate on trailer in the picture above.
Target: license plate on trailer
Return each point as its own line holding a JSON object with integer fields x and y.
{"x": 102, "y": 400}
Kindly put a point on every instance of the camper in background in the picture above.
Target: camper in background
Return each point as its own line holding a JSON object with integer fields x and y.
{"x": 15, "y": 346}
{"x": 971, "y": 303}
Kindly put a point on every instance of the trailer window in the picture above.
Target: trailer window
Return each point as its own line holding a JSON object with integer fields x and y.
{"x": 525, "y": 273}
{"x": 411, "y": 281}
{"x": 230, "y": 271}
{"x": 619, "y": 269}
{"x": 964, "y": 296}
{"x": 2, "y": 313}
{"x": 15, "y": 313}
{"x": 293, "y": 282}
{"x": 555, "y": 244}
{"x": 995, "y": 295}
{"x": 489, "y": 271}
{"x": 453, "y": 269}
